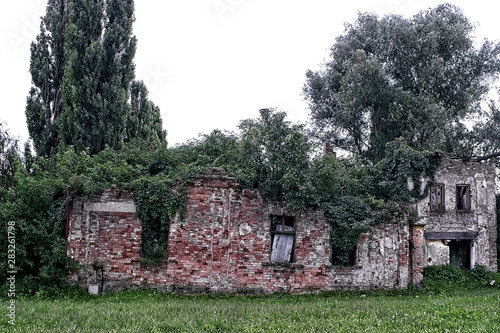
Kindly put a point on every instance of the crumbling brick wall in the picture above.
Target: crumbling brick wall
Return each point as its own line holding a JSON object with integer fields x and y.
{"x": 223, "y": 244}
{"x": 104, "y": 231}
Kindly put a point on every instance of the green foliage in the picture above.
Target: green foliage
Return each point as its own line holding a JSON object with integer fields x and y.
{"x": 36, "y": 207}
{"x": 349, "y": 217}
{"x": 157, "y": 204}
{"x": 400, "y": 165}
{"x": 82, "y": 70}
{"x": 390, "y": 77}
{"x": 274, "y": 157}
{"x": 9, "y": 156}
{"x": 144, "y": 120}
{"x": 364, "y": 195}
{"x": 447, "y": 278}
{"x": 48, "y": 61}
{"x": 98, "y": 74}
{"x": 325, "y": 181}
{"x": 485, "y": 138}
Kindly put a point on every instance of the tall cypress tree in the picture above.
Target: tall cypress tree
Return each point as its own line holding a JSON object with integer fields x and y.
{"x": 100, "y": 68}
{"x": 82, "y": 68}
{"x": 144, "y": 121}
{"x": 48, "y": 60}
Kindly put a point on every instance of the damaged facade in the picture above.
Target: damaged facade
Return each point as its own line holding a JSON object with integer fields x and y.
{"x": 458, "y": 221}
{"x": 230, "y": 241}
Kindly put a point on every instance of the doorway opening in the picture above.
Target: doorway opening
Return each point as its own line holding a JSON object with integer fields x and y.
{"x": 460, "y": 252}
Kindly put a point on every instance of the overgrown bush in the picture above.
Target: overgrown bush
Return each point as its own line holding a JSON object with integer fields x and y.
{"x": 442, "y": 278}
{"x": 36, "y": 209}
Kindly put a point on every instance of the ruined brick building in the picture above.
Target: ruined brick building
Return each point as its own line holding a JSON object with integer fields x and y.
{"x": 230, "y": 240}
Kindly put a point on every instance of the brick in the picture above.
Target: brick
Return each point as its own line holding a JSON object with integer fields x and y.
{"x": 207, "y": 252}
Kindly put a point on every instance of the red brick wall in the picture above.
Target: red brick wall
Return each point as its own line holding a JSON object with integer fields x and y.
{"x": 417, "y": 264}
{"x": 104, "y": 231}
{"x": 223, "y": 244}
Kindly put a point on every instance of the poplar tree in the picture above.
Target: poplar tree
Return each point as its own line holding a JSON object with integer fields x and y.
{"x": 9, "y": 155}
{"x": 82, "y": 68}
{"x": 144, "y": 121}
{"x": 100, "y": 69}
{"x": 48, "y": 60}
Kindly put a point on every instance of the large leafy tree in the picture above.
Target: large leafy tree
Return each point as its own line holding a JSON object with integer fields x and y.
{"x": 48, "y": 60}
{"x": 417, "y": 78}
{"x": 274, "y": 157}
{"x": 485, "y": 139}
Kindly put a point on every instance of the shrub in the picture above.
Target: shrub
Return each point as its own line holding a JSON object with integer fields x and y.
{"x": 443, "y": 278}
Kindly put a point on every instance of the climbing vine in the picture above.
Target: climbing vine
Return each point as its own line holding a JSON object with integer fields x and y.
{"x": 158, "y": 200}
{"x": 375, "y": 194}
{"x": 349, "y": 217}
{"x": 402, "y": 164}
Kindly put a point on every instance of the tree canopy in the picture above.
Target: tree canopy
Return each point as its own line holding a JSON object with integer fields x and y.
{"x": 82, "y": 71}
{"x": 9, "y": 155}
{"x": 144, "y": 121}
{"x": 48, "y": 61}
{"x": 417, "y": 78}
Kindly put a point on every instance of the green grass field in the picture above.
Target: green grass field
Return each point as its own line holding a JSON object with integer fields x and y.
{"x": 148, "y": 311}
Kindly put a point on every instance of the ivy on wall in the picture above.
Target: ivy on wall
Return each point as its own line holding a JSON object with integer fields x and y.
{"x": 349, "y": 217}
{"x": 401, "y": 164}
{"x": 375, "y": 194}
{"x": 157, "y": 204}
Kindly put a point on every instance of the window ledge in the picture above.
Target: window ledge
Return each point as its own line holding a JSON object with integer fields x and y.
{"x": 437, "y": 211}
{"x": 282, "y": 264}
{"x": 343, "y": 268}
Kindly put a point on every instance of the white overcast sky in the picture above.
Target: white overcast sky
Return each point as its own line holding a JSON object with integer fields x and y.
{"x": 210, "y": 63}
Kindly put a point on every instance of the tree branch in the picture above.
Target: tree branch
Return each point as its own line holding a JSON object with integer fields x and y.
{"x": 485, "y": 157}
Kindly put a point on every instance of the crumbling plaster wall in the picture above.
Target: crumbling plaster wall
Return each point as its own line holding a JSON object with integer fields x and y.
{"x": 477, "y": 224}
{"x": 223, "y": 244}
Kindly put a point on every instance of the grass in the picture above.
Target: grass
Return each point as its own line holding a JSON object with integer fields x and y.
{"x": 148, "y": 311}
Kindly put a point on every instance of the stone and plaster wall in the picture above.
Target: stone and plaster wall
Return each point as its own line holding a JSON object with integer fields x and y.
{"x": 223, "y": 243}
{"x": 475, "y": 226}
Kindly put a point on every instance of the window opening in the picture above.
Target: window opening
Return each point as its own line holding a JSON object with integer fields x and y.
{"x": 339, "y": 255}
{"x": 463, "y": 197}
{"x": 437, "y": 197}
{"x": 283, "y": 238}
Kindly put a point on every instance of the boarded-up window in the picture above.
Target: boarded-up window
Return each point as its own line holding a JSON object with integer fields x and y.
{"x": 437, "y": 197}
{"x": 463, "y": 197}
{"x": 283, "y": 238}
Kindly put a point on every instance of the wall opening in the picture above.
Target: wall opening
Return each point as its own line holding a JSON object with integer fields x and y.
{"x": 460, "y": 253}
{"x": 437, "y": 197}
{"x": 463, "y": 197}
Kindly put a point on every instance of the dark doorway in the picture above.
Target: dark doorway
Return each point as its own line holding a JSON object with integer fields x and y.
{"x": 460, "y": 253}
